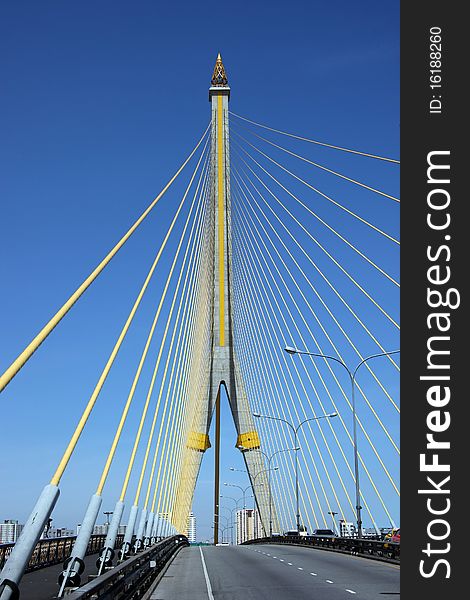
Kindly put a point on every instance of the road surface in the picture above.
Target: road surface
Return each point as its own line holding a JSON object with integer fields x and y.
{"x": 275, "y": 572}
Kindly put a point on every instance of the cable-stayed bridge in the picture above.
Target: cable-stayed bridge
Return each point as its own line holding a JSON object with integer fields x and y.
{"x": 277, "y": 289}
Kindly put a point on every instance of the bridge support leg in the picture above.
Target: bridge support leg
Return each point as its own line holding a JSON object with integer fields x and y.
{"x": 155, "y": 529}
{"x": 107, "y": 552}
{"x": 24, "y": 547}
{"x": 148, "y": 530}
{"x": 74, "y": 566}
{"x": 126, "y": 545}
{"x": 140, "y": 530}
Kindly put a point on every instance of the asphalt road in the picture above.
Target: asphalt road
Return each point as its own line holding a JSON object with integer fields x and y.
{"x": 275, "y": 572}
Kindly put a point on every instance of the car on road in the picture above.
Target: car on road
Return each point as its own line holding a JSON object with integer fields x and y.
{"x": 392, "y": 536}
{"x": 323, "y": 533}
{"x": 395, "y": 536}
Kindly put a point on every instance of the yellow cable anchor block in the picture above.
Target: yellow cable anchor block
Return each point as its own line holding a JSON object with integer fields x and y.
{"x": 198, "y": 441}
{"x": 248, "y": 441}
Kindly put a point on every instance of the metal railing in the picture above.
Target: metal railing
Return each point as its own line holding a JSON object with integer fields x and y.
{"x": 51, "y": 551}
{"x": 133, "y": 578}
{"x": 379, "y": 550}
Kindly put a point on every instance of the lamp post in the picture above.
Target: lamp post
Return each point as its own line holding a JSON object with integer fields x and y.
{"x": 352, "y": 377}
{"x": 230, "y": 520}
{"x": 235, "y": 508}
{"x": 333, "y": 513}
{"x": 244, "y": 490}
{"x": 268, "y": 470}
{"x": 295, "y": 430}
{"x": 269, "y": 458}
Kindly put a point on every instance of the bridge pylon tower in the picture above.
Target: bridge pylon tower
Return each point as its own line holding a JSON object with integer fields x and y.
{"x": 224, "y": 367}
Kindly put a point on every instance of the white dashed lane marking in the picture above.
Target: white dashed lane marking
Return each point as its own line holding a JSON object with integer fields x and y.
{"x": 301, "y": 569}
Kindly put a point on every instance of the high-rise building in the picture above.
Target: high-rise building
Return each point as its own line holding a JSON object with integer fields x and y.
{"x": 249, "y": 526}
{"x": 191, "y": 528}
{"x": 10, "y": 531}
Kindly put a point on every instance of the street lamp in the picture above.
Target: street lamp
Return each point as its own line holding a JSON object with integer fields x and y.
{"x": 269, "y": 459}
{"x": 268, "y": 470}
{"x": 352, "y": 376}
{"x": 333, "y": 513}
{"x": 244, "y": 490}
{"x": 230, "y": 510}
{"x": 295, "y": 430}
{"x": 235, "y": 508}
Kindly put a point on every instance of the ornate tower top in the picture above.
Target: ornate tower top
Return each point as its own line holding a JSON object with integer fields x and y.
{"x": 219, "y": 77}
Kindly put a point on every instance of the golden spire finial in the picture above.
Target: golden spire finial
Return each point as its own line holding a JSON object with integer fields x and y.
{"x": 219, "y": 77}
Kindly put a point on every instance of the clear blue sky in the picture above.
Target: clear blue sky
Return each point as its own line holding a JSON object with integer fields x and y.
{"x": 99, "y": 104}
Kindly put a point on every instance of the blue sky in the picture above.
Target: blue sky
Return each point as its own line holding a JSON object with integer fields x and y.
{"x": 100, "y": 102}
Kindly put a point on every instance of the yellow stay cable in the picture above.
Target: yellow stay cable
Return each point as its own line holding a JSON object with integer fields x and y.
{"x": 326, "y": 388}
{"x": 268, "y": 328}
{"x": 169, "y": 475}
{"x": 331, "y": 342}
{"x": 60, "y": 314}
{"x": 279, "y": 391}
{"x": 341, "y": 237}
{"x": 172, "y": 471}
{"x": 130, "y": 397}
{"x": 94, "y": 396}
{"x": 304, "y": 139}
{"x": 311, "y": 162}
{"x": 162, "y": 385}
{"x": 259, "y": 390}
{"x": 320, "y": 193}
{"x": 271, "y": 344}
{"x": 154, "y": 375}
{"x": 335, "y": 291}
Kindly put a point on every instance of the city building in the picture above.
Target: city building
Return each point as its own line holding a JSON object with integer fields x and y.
{"x": 249, "y": 525}
{"x": 347, "y": 529}
{"x": 10, "y": 531}
{"x": 191, "y": 528}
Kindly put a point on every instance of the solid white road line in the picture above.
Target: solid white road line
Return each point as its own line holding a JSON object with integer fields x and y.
{"x": 208, "y": 583}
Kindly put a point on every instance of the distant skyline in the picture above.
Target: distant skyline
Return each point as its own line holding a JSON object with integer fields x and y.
{"x": 100, "y": 104}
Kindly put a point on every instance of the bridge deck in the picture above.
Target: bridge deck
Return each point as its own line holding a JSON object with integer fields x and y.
{"x": 270, "y": 572}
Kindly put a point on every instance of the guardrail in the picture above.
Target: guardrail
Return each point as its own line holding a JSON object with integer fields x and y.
{"x": 380, "y": 550}
{"x": 51, "y": 551}
{"x": 131, "y": 579}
